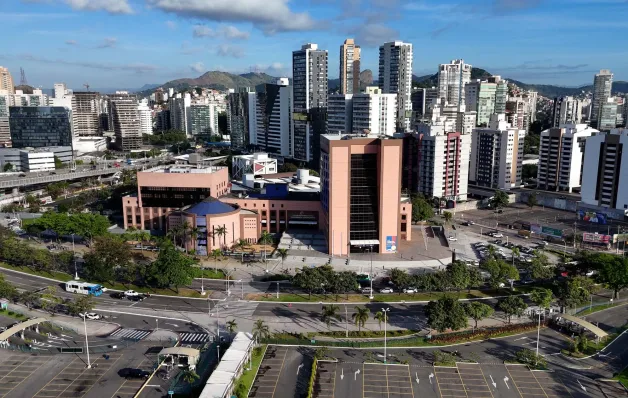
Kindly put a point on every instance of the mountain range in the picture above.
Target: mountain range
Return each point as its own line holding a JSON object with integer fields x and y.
{"x": 224, "y": 80}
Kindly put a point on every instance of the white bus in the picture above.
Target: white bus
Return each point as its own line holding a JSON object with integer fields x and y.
{"x": 84, "y": 288}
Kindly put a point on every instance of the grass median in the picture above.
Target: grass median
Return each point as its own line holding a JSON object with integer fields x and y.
{"x": 384, "y": 298}
{"x": 247, "y": 378}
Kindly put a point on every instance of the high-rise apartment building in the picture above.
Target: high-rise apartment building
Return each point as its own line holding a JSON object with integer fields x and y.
{"x": 421, "y": 99}
{"x": 567, "y": 110}
{"x": 439, "y": 166}
{"x": 62, "y": 96}
{"x": 356, "y": 113}
{"x": 395, "y": 77}
{"x": 481, "y": 96}
{"x": 238, "y": 111}
{"x": 496, "y": 155}
{"x": 452, "y": 117}
{"x": 86, "y": 111}
{"x": 202, "y": 120}
{"x": 607, "y": 119}
{"x": 604, "y": 175}
{"x": 309, "y": 79}
{"x": 37, "y": 98}
{"x": 501, "y": 95}
{"x": 270, "y": 117}
{"x": 452, "y": 78}
{"x": 40, "y": 126}
{"x": 349, "y": 67}
{"x": 602, "y": 87}
{"x": 162, "y": 120}
{"x": 520, "y": 110}
{"x": 125, "y": 120}
{"x": 561, "y": 151}
{"x": 6, "y": 80}
{"x": 5, "y": 132}
{"x": 178, "y": 106}
{"x": 146, "y": 117}
{"x": 361, "y": 194}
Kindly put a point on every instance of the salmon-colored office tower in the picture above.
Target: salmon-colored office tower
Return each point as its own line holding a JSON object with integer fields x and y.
{"x": 361, "y": 194}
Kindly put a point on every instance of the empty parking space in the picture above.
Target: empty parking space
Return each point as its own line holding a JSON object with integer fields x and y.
{"x": 16, "y": 369}
{"x": 473, "y": 380}
{"x": 75, "y": 379}
{"x": 325, "y": 381}
{"x": 532, "y": 384}
{"x": 390, "y": 381}
{"x": 449, "y": 382}
{"x": 265, "y": 385}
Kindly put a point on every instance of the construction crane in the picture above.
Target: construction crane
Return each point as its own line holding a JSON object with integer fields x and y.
{"x": 86, "y": 85}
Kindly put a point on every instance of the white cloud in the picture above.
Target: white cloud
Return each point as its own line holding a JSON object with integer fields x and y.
{"x": 373, "y": 35}
{"x": 71, "y": 42}
{"x": 135, "y": 67}
{"x": 271, "y": 16}
{"x": 171, "y": 25}
{"x": 231, "y": 32}
{"x": 226, "y": 50}
{"x": 111, "y": 6}
{"x": 108, "y": 42}
{"x": 198, "y": 67}
{"x": 203, "y": 31}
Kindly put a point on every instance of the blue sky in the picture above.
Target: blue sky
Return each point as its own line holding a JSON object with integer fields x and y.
{"x": 128, "y": 43}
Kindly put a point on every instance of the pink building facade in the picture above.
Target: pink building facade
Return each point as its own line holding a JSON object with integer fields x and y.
{"x": 361, "y": 194}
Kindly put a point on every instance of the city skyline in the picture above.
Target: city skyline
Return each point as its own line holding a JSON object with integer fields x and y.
{"x": 129, "y": 43}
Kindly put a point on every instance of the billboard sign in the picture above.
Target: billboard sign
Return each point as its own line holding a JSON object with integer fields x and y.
{"x": 556, "y": 233}
{"x": 391, "y": 243}
{"x": 592, "y": 216}
{"x": 596, "y": 238}
{"x": 620, "y": 238}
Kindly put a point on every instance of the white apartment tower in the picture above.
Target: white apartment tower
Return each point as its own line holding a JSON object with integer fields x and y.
{"x": 6, "y": 80}
{"x": 443, "y": 165}
{"x": 602, "y": 87}
{"x": 349, "y": 67}
{"x": 340, "y": 114}
{"x": 395, "y": 77}
{"x": 86, "y": 111}
{"x": 567, "y": 110}
{"x": 452, "y": 78}
{"x": 496, "y": 155}
{"x": 125, "y": 120}
{"x": 5, "y": 131}
{"x": 604, "y": 175}
{"x": 146, "y": 117}
{"x": 178, "y": 107}
{"x": 561, "y": 151}
{"x": 309, "y": 79}
{"x": 376, "y": 113}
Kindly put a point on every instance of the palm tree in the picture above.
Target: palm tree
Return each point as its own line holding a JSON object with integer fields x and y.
{"x": 194, "y": 234}
{"x": 448, "y": 216}
{"x": 515, "y": 253}
{"x": 380, "y": 317}
{"x": 260, "y": 330}
{"x": 360, "y": 316}
{"x": 221, "y": 231}
{"x": 330, "y": 312}
{"x": 215, "y": 254}
{"x": 283, "y": 253}
{"x": 265, "y": 238}
{"x": 143, "y": 236}
{"x": 491, "y": 251}
{"x": 190, "y": 376}
{"x": 174, "y": 232}
{"x": 185, "y": 228}
{"x": 232, "y": 325}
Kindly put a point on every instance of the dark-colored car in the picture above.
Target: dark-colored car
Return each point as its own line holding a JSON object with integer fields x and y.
{"x": 132, "y": 373}
{"x": 117, "y": 295}
{"x": 136, "y": 298}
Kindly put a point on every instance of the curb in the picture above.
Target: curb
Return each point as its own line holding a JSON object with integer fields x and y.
{"x": 257, "y": 372}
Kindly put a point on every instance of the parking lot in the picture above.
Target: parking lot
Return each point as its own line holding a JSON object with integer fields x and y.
{"x": 15, "y": 369}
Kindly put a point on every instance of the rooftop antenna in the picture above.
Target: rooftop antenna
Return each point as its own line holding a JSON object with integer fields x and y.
{"x": 23, "y": 81}
{"x": 86, "y": 85}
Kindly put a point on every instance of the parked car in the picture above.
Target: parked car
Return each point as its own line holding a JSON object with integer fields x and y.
{"x": 386, "y": 290}
{"x": 411, "y": 290}
{"x": 452, "y": 238}
{"x": 131, "y": 293}
{"x": 365, "y": 290}
{"x": 117, "y": 295}
{"x": 132, "y": 373}
{"x": 497, "y": 235}
{"x": 91, "y": 316}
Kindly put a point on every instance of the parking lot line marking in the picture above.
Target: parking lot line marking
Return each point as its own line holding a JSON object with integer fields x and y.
{"x": 30, "y": 373}
{"x": 513, "y": 381}
{"x": 124, "y": 384}
{"x": 280, "y": 369}
{"x": 57, "y": 375}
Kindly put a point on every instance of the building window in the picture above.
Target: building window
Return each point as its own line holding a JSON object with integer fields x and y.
{"x": 403, "y": 216}
{"x": 263, "y": 213}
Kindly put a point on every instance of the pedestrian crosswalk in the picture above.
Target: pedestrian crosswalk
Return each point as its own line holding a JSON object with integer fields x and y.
{"x": 193, "y": 337}
{"x": 130, "y": 334}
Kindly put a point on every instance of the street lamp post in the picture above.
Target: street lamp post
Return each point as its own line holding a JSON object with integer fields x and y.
{"x": 76, "y": 277}
{"x": 538, "y": 337}
{"x": 371, "y": 276}
{"x": 89, "y": 364}
{"x": 202, "y": 281}
{"x": 385, "y": 311}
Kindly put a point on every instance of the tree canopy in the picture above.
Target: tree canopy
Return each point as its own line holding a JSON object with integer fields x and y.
{"x": 86, "y": 225}
{"x": 500, "y": 272}
{"x": 172, "y": 268}
{"x": 499, "y": 199}
{"x": 421, "y": 209}
{"x": 512, "y": 305}
{"x": 106, "y": 254}
{"x": 478, "y": 311}
{"x": 446, "y": 313}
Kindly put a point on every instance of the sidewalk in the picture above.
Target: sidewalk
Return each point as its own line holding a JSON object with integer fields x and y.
{"x": 75, "y": 324}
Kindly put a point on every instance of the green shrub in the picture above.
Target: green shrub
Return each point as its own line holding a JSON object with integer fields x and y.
{"x": 310, "y": 387}
{"x": 529, "y": 357}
